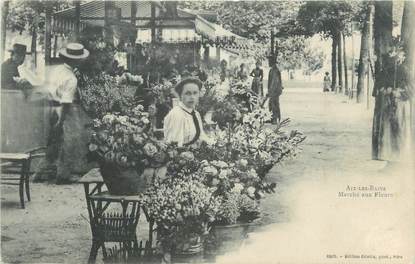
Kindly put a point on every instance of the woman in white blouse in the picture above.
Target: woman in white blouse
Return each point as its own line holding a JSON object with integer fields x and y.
{"x": 183, "y": 123}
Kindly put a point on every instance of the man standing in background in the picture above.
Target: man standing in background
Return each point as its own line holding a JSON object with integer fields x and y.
{"x": 274, "y": 90}
{"x": 10, "y": 77}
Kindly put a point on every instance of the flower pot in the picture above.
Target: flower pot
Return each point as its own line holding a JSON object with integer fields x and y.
{"x": 224, "y": 238}
{"x": 190, "y": 245}
{"x": 125, "y": 181}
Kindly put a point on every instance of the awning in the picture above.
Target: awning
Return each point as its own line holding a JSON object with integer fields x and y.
{"x": 219, "y": 35}
{"x": 93, "y": 13}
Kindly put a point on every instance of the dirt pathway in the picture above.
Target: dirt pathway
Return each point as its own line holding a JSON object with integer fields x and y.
{"x": 312, "y": 221}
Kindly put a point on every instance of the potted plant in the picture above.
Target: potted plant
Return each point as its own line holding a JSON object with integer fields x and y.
{"x": 125, "y": 150}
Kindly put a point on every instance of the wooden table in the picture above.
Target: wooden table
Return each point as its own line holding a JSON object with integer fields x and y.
{"x": 112, "y": 227}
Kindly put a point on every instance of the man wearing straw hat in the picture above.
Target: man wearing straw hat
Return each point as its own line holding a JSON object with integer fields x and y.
{"x": 62, "y": 86}
{"x": 10, "y": 77}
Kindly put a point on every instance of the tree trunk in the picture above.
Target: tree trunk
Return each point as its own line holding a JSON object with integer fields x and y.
{"x": 346, "y": 81}
{"x": 364, "y": 55}
{"x": 48, "y": 33}
{"x": 206, "y": 54}
{"x": 408, "y": 36}
{"x": 77, "y": 20}
{"x": 33, "y": 46}
{"x": 153, "y": 23}
{"x": 340, "y": 61}
{"x": 333, "y": 62}
{"x": 408, "y": 67}
{"x": 133, "y": 57}
{"x": 5, "y": 9}
{"x": 383, "y": 137}
{"x": 55, "y": 45}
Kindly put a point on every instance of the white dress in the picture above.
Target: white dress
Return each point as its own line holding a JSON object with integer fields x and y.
{"x": 179, "y": 126}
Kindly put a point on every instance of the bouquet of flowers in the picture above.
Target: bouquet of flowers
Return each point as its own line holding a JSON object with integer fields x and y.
{"x": 265, "y": 147}
{"x": 257, "y": 118}
{"x": 161, "y": 93}
{"x": 127, "y": 78}
{"x": 219, "y": 176}
{"x": 126, "y": 141}
{"x": 228, "y": 113}
{"x": 103, "y": 94}
{"x": 237, "y": 206}
{"x": 210, "y": 98}
{"x": 240, "y": 87}
{"x": 183, "y": 165}
{"x": 182, "y": 209}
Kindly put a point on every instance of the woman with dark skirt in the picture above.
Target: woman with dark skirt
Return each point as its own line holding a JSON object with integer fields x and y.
{"x": 258, "y": 75}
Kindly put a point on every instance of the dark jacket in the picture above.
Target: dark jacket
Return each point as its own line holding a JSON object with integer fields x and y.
{"x": 8, "y": 71}
{"x": 274, "y": 82}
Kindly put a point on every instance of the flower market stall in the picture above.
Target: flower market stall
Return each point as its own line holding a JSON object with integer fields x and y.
{"x": 189, "y": 190}
{"x": 185, "y": 191}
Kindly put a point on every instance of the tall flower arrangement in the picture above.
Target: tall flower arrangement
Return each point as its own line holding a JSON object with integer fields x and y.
{"x": 210, "y": 98}
{"x": 182, "y": 209}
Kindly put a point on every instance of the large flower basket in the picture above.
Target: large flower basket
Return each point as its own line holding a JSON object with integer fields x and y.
{"x": 125, "y": 181}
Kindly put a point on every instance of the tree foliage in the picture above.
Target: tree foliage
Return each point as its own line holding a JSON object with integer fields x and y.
{"x": 313, "y": 60}
{"x": 329, "y": 17}
{"x": 291, "y": 52}
{"x": 253, "y": 19}
{"x": 30, "y": 15}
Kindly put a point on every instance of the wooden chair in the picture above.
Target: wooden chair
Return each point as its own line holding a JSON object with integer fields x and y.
{"x": 15, "y": 170}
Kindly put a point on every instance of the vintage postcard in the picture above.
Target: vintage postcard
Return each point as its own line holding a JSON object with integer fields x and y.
{"x": 207, "y": 132}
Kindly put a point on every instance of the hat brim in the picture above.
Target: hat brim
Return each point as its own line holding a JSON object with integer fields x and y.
{"x": 85, "y": 55}
{"x": 27, "y": 52}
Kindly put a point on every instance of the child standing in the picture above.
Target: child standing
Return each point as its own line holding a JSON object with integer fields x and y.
{"x": 327, "y": 83}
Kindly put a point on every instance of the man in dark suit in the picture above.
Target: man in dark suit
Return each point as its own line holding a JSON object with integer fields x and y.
{"x": 9, "y": 73}
{"x": 274, "y": 90}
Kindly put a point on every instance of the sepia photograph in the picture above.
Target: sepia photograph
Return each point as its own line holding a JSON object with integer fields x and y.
{"x": 223, "y": 132}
